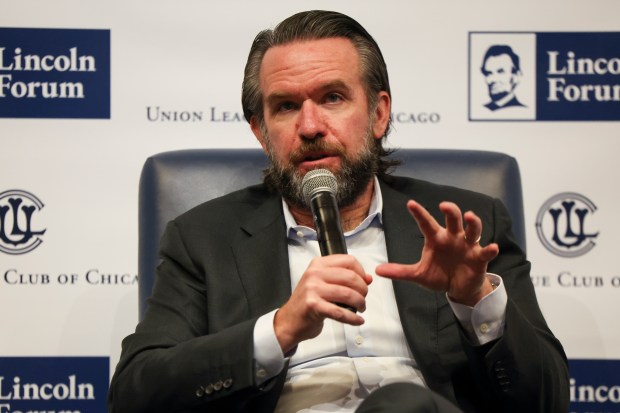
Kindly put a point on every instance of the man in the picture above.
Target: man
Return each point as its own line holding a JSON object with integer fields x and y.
{"x": 243, "y": 315}
{"x": 502, "y": 72}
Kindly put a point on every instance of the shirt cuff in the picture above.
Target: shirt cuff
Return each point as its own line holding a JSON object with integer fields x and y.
{"x": 268, "y": 356}
{"x": 485, "y": 321}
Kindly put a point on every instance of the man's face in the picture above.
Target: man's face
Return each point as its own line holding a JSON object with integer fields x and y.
{"x": 498, "y": 72}
{"x": 316, "y": 113}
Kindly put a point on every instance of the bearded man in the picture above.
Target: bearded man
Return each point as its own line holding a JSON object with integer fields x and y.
{"x": 247, "y": 316}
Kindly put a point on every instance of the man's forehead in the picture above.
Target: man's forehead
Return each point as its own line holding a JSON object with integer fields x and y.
{"x": 302, "y": 59}
{"x": 499, "y": 60}
{"x": 331, "y": 47}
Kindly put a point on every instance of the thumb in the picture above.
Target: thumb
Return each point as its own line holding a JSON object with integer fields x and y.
{"x": 395, "y": 271}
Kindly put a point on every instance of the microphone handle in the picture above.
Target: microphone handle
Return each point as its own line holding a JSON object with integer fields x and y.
{"x": 329, "y": 231}
{"x": 327, "y": 222}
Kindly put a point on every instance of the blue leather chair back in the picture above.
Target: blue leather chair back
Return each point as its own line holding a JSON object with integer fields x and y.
{"x": 173, "y": 182}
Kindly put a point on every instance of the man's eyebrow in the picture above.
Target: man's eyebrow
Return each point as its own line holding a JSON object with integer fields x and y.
{"x": 334, "y": 85}
{"x": 278, "y": 96}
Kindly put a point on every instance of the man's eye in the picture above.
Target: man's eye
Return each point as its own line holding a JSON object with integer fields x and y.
{"x": 333, "y": 98}
{"x": 286, "y": 106}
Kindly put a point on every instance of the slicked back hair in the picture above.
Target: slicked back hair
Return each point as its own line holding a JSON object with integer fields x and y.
{"x": 315, "y": 25}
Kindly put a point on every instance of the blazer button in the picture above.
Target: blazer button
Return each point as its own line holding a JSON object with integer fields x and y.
{"x": 227, "y": 383}
{"x": 209, "y": 388}
{"x": 217, "y": 386}
{"x": 200, "y": 391}
{"x": 503, "y": 376}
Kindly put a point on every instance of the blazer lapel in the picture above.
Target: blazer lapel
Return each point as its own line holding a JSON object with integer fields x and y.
{"x": 261, "y": 255}
{"x": 418, "y": 307}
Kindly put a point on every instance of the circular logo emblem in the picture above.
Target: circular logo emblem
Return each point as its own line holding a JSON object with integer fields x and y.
{"x": 18, "y": 210}
{"x": 562, "y": 224}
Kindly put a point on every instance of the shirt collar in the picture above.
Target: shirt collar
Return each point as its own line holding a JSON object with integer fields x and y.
{"x": 375, "y": 212}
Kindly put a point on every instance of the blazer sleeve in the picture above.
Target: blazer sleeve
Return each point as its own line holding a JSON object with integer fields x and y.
{"x": 174, "y": 361}
{"x": 526, "y": 369}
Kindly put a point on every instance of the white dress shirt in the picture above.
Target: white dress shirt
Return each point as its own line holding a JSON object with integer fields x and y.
{"x": 336, "y": 370}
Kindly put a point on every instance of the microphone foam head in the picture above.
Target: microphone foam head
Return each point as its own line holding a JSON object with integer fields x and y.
{"x": 318, "y": 180}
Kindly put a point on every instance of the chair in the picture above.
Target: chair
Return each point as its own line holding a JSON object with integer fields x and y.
{"x": 173, "y": 182}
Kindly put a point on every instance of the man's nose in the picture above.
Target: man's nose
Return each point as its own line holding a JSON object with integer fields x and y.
{"x": 491, "y": 78}
{"x": 310, "y": 122}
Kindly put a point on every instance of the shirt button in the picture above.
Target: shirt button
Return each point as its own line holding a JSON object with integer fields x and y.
{"x": 359, "y": 340}
{"x": 300, "y": 234}
{"x": 484, "y": 328}
{"x": 261, "y": 373}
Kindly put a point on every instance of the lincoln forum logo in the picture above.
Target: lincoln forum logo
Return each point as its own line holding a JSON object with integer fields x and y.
{"x": 594, "y": 385}
{"x": 564, "y": 224}
{"x": 54, "y": 384}
{"x": 546, "y": 76}
{"x": 54, "y": 73}
{"x": 19, "y": 232}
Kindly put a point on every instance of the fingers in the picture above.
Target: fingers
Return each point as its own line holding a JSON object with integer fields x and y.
{"x": 341, "y": 270}
{"x": 333, "y": 279}
{"x": 426, "y": 222}
{"x": 396, "y": 271}
{"x": 456, "y": 223}
{"x": 473, "y": 228}
{"x": 343, "y": 294}
{"x": 453, "y": 217}
{"x": 489, "y": 252}
{"x": 473, "y": 234}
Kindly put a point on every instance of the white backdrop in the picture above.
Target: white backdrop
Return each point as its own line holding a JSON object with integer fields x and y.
{"x": 174, "y": 57}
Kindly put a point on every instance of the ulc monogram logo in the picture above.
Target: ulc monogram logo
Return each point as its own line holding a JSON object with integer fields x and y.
{"x": 17, "y": 209}
{"x": 561, "y": 225}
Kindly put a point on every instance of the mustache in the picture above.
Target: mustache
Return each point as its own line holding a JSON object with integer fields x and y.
{"x": 315, "y": 149}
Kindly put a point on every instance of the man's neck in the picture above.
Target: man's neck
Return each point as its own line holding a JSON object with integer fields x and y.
{"x": 350, "y": 216}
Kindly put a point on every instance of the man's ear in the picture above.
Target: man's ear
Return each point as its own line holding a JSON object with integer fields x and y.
{"x": 382, "y": 115}
{"x": 516, "y": 78}
{"x": 258, "y": 133}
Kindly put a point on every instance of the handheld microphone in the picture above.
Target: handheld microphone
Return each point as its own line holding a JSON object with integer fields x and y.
{"x": 319, "y": 187}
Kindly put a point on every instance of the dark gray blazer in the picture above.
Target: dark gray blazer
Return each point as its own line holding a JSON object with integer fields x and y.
{"x": 225, "y": 263}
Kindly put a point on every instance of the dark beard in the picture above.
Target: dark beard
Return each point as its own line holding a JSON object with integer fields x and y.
{"x": 352, "y": 177}
{"x": 497, "y": 96}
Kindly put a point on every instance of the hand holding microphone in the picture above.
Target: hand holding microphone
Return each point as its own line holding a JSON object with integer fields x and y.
{"x": 329, "y": 278}
{"x": 319, "y": 187}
